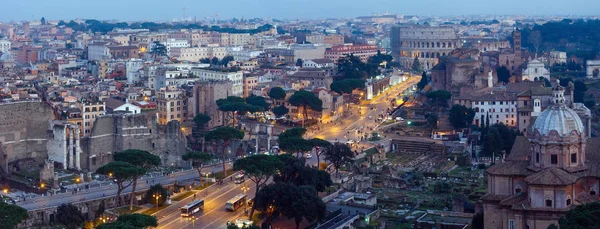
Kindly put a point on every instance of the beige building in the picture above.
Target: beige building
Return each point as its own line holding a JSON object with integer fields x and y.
{"x": 204, "y": 97}
{"x": 547, "y": 173}
{"x": 89, "y": 112}
{"x": 196, "y": 53}
{"x": 250, "y": 83}
{"x": 236, "y": 78}
{"x": 171, "y": 104}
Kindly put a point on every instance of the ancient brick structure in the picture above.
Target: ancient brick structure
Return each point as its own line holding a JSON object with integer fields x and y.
{"x": 427, "y": 43}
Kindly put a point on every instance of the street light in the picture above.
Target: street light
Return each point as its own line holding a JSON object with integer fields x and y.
{"x": 42, "y": 185}
{"x": 5, "y": 191}
{"x": 244, "y": 188}
{"x": 77, "y": 180}
{"x": 156, "y": 196}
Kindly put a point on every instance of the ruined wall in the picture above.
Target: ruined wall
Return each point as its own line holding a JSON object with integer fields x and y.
{"x": 170, "y": 144}
{"x": 23, "y": 132}
{"x": 115, "y": 133}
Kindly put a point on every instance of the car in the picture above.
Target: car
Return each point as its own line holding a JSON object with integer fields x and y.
{"x": 308, "y": 155}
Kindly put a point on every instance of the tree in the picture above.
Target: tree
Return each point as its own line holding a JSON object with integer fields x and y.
{"x": 338, "y": 154}
{"x": 296, "y": 172}
{"x": 258, "y": 101}
{"x": 275, "y": 199}
{"x": 259, "y": 168}
{"x": 440, "y": 97}
{"x": 351, "y": 67}
{"x": 139, "y": 158}
{"x": 432, "y": 120}
{"x": 590, "y": 104}
{"x": 582, "y": 216}
{"x": 205, "y": 60}
{"x": 201, "y": 120}
{"x": 101, "y": 208}
{"x": 416, "y": 65}
{"x": 214, "y": 61}
{"x": 154, "y": 190}
{"x": 380, "y": 59}
{"x": 277, "y": 93}
{"x": 11, "y": 215}
{"x": 346, "y": 86}
{"x": 198, "y": 159}
{"x": 306, "y": 100}
{"x": 225, "y": 61}
{"x": 224, "y": 136}
{"x": 299, "y": 62}
{"x": 124, "y": 173}
{"x": 535, "y": 39}
{"x": 280, "y": 111}
{"x": 477, "y": 221}
{"x": 423, "y": 82}
{"x": 295, "y": 145}
{"x": 131, "y": 221}
{"x": 320, "y": 145}
{"x": 158, "y": 49}
{"x": 70, "y": 216}
{"x": 43, "y": 21}
{"x": 579, "y": 91}
{"x": 461, "y": 116}
{"x": 551, "y": 226}
{"x": 308, "y": 205}
{"x": 503, "y": 74}
{"x": 234, "y": 226}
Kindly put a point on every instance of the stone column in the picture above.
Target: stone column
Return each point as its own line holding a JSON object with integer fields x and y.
{"x": 77, "y": 149}
{"x": 70, "y": 147}
{"x": 257, "y": 131}
{"x": 65, "y": 149}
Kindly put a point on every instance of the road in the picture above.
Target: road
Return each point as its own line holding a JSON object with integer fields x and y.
{"x": 214, "y": 214}
{"x": 362, "y": 117}
{"x": 111, "y": 190}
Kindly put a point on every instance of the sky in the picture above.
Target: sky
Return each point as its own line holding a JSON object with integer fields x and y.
{"x": 166, "y": 10}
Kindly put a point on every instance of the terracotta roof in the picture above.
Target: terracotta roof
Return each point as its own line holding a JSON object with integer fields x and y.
{"x": 494, "y": 197}
{"x": 510, "y": 168}
{"x": 515, "y": 199}
{"x": 520, "y": 150}
{"x": 551, "y": 176}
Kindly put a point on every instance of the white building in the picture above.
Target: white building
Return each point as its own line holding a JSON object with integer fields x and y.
{"x": 318, "y": 63}
{"x": 197, "y": 53}
{"x": 132, "y": 68}
{"x": 128, "y": 107}
{"x": 98, "y": 51}
{"x": 236, "y": 78}
{"x": 535, "y": 71}
{"x": 174, "y": 43}
{"x": 557, "y": 57}
{"x": 4, "y": 46}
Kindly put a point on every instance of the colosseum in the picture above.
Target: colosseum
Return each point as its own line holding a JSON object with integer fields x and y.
{"x": 427, "y": 43}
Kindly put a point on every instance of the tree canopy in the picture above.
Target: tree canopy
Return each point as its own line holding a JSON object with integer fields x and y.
{"x": 582, "y": 216}
{"x": 299, "y": 62}
{"x": 277, "y": 93}
{"x": 280, "y": 111}
{"x": 295, "y": 171}
{"x": 258, "y": 101}
{"x": 138, "y": 157}
{"x": 423, "y": 82}
{"x": 351, "y": 67}
{"x": 440, "y": 97}
{"x": 11, "y": 215}
{"x": 338, "y": 154}
{"x": 306, "y": 100}
{"x": 497, "y": 138}
{"x": 461, "y": 116}
{"x": 70, "y": 216}
{"x": 416, "y": 65}
{"x": 198, "y": 160}
{"x": 122, "y": 172}
{"x": 201, "y": 120}
{"x": 224, "y": 133}
{"x": 503, "y": 74}
{"x": 131, "y": 221}
{"x": 156, "y": 190}
{"x": 346, "y": 86}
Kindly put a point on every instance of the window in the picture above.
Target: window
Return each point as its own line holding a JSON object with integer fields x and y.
{"x": 592, "y": 192}
{"x": 548, "y": 203}
{"x": 537, "y": 157}
{"x": 568, "y": 200}
{"x": 573, "y": 158}
{"x": 511, "y": 224}
{"x": 554, "y": 159}
{"x": 518, "y": 189}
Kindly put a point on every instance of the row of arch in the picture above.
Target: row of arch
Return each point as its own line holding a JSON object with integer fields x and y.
{"x": 423, "y": 44}
{"x": 424, "y": 54}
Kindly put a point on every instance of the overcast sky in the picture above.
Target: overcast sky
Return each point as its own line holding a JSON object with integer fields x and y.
{"x": 283, "y": 9}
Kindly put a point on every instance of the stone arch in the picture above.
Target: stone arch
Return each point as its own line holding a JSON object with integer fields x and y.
{"x": 427, "y": 44}
{"x": 437, "y": 55}
{"x": 596, "y": 73}
{"x": 422, "y": 55}
{"x": 426, "y": 55}
{"x": 438, "y": 44}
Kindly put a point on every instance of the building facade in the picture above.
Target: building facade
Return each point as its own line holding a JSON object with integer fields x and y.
{"x": 236, "y": 78}
{"x": 535, "y": 71}
{"x": 89, "y": 112}
{"x": 426, "y": 43}
{"x": 171, "y": 104}
{"x": 546, "y": 174}
{"x": 204, "y": 100}
{"x": 361, "y": 51}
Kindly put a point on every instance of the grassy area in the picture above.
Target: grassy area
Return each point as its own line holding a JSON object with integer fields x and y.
{"x": 155, "y": 209}
{"x": 125, "y": 210}
{"x": 182, "y": 196}
{"x": 460, "y": 169}
{"x": 220, "y": 175}
{"x": 203, "y": 186}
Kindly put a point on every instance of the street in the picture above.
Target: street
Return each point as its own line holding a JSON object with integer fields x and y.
{"x": 110, "y": 190}
{"x": 214, "y": 214}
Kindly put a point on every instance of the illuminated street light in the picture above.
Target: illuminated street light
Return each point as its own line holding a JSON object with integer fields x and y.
{"x": 5, "y": 191}
{"x": 156, "y": 196}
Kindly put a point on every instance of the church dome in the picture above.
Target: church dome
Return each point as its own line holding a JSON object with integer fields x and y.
{"x": 559, "y": 118}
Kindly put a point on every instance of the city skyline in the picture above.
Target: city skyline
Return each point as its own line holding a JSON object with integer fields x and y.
{"x": 291, "y": 9}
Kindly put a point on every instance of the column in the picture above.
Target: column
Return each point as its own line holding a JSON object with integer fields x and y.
{"x": 257, "y": 136}
{"x": 71, "y": 147}
{"x": 77, "y": 149}
{"x": 65, "y": 150}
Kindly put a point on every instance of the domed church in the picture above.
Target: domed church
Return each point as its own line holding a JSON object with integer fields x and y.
{"x": 552, "y": 170}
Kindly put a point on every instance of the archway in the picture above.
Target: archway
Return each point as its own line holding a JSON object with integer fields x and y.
{"x": 596, "y": 73}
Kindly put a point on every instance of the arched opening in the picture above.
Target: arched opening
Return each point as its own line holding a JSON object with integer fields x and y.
{"x": 422, "y": 55}
{"x": 438, "y": 44}
{"x": 437, "y": 55}
{"x": 568, "y": 200}
{"x": 592, "y": 192}
{"x": 427, "y": 44}
{"x": 427, "y": 55}
{"x": 518, "y": 189}
{"x": 548, "y": 203}
{"x": 596, "y": 73}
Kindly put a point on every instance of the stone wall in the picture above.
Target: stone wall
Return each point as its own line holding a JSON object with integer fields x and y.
{"x": 23, "y": 132}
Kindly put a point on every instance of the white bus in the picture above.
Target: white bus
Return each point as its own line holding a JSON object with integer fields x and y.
{"x": 235, "y": 202}
{"x": 191, "y": 208}
{"x": 239, "y": 178}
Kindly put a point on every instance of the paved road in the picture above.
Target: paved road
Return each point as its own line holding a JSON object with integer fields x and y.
{"x": 214, "y": 214}
{"x": 111, "y": 190}
{"x": 347, "y": 128}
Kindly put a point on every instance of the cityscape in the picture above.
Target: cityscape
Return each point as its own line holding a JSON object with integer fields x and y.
{"x": 287, "y": 117}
